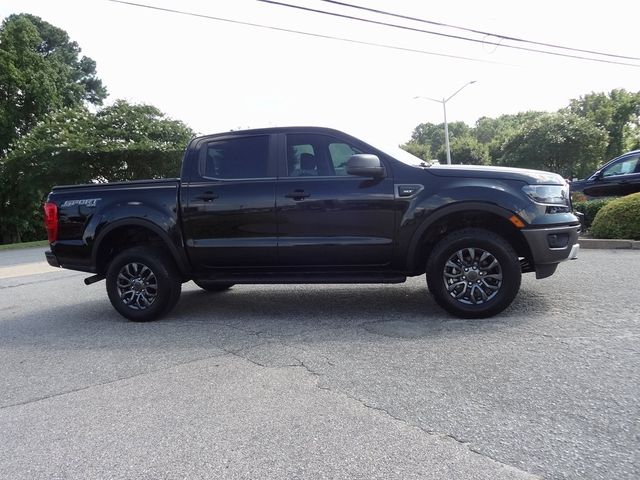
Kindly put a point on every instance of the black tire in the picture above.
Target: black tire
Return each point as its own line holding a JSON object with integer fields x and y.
{"x": 143, "y": 283}
{"x": 210, "y": 286}
{"x": 493, "y": 286}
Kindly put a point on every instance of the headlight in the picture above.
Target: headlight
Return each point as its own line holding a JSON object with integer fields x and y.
{"x": 548, "y": 194}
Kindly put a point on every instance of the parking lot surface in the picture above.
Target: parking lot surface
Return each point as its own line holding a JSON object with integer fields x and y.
{"x": 336, "y": 381}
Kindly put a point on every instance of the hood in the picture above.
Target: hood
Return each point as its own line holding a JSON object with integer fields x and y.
{"x": 531, "y": 177}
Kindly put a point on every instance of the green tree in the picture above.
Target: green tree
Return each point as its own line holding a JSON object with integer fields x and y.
{"x": 558, "y": 142}
{"x": 40, "y": 71}
{"x": 420, "y": 150}
{"x": 73, "y": 145}
{"x": 494, "y": 132}
{"x": 433, "y": 135}
{"x": 617, "y": 112}
{"x": 466, "y": 151}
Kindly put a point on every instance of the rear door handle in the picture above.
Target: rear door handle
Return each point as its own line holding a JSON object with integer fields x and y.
{"x": 298, "y": 195}
{"x": 207, "y": 196}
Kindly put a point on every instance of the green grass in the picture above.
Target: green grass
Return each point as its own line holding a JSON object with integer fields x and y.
{"x": 16, "y": 246}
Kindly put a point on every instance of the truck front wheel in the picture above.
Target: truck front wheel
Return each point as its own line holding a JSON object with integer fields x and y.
{"x": 143, "y": 283}
{"x": 473, "y": 273}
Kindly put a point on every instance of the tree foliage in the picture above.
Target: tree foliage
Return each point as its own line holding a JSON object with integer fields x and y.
{"x": 40, "y": 72}
{"x": 420, "y": 150}
{"x": 433, "y": 135}
{"x": 558, "y": 142}
{"x": 617, "y": 112}
{"x": 494, "y": 132}
{"x": 466, "y": 150}
{"x": 48, "y": 136}
{"x": 73, "y": 145}
{"x": 571, "y": 142}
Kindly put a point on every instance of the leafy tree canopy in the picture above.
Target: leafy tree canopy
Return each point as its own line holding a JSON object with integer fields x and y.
{"x": 433, "y": 134}
{"x": 617, "y": 112}
{"x": 73, "y": 145}
{"x": 420, "y": 150}
{"x": 40, "y": 71}
{"x": 466, "y": 150}
{"x": 558, "y": 142}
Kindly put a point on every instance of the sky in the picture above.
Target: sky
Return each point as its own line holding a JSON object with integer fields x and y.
{"x": 217, "y": 76}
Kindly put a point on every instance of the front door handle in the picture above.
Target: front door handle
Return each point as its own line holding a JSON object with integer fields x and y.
{"x": 298, "y": 195}
{"x": 207, "y": 196}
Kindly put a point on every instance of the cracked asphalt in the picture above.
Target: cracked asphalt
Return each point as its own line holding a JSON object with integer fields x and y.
{"x": 336, "y": 381}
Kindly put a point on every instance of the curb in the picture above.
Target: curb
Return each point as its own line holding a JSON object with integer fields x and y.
{"x": 598, "y": 243}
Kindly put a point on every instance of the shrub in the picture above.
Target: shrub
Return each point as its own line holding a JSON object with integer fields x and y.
{"x": 590, "y": 208}
{"x": 620, "y": 218}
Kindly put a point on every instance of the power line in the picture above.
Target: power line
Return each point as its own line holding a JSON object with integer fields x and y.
{"x": 447, "y": 35}
{"x": 481, "y": 32}
{"x": 300, "y": 32}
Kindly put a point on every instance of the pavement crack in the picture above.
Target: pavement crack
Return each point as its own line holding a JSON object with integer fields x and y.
{"x": 301, "y": 364}
{"x": 236, "y": 353}
{"x": 108, "y": 382}
{"x": 464, "y": 443}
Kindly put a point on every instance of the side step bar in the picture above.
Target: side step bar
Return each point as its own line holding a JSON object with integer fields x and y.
{"x": 93, "y": 279}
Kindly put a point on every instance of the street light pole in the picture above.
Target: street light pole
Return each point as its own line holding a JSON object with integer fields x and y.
{"x": 444, "y": 109}
{"x": 446, "y": 132}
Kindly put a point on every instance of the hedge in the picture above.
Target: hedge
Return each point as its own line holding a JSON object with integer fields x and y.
{"x": 620, "y": 218}
{"x": 590, "y": 208}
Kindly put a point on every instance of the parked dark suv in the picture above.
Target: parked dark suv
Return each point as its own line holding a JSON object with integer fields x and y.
{"x": 619, "y": 177}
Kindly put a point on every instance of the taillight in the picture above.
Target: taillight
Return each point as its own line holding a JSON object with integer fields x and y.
{"x": 51, "y": 221}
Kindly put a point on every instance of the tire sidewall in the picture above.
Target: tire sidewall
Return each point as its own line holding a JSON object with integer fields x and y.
{"x": 165, "y": 275}
{"x": 492, "y": 243}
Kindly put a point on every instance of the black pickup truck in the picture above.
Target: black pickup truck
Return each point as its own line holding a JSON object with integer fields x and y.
{"x": 313, "y": 205}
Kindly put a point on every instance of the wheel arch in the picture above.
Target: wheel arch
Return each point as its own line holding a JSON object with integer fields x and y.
{"x": 464, "y": 215}
{"x": 130, "y": 232}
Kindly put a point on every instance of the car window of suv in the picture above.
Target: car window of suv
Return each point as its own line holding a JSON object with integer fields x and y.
{"x": 623, "y": 167}
{"x": 243, "y": 157}
{"x": 310, "y": 155}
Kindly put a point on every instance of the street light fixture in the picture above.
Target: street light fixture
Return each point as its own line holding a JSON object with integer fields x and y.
{"x": 444, "y": 108}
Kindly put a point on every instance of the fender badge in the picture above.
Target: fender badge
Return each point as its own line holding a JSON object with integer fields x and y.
{"x": 86, "y": 202}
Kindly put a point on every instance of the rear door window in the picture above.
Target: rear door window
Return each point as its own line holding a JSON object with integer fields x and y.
{"x": 243, "y": 157}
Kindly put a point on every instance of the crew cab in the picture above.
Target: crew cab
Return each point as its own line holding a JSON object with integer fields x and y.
{"x": 313, "y": 205}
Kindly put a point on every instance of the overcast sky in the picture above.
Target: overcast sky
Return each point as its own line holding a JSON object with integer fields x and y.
{"x": 218, "y": 76}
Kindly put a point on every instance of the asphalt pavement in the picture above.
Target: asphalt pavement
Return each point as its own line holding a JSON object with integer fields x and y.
{"x": 335, "y": 381}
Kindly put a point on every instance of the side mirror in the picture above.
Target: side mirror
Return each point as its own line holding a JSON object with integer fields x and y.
{"x": 365, "y": 165}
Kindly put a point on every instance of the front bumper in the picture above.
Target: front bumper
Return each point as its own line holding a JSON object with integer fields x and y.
{"x": 550, "y": 246}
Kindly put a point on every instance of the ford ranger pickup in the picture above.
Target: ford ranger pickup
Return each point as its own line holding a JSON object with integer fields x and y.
{"x": 313, "y": 205}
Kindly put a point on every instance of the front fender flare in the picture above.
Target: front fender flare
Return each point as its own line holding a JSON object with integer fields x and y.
{"x": 444, "y": 211}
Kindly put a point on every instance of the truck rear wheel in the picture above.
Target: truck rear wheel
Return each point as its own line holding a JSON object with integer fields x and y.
{"x": 143, "y": 283}
{"x": 473, "y": 273}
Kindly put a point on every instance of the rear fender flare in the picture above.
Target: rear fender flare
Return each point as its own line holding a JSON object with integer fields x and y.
{"x": 178, "y": 255}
